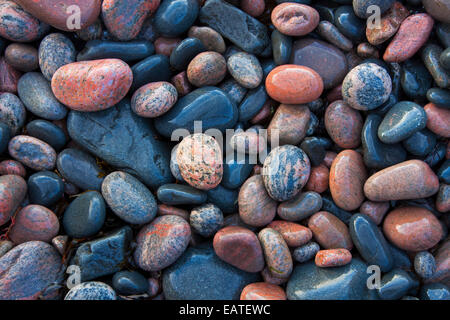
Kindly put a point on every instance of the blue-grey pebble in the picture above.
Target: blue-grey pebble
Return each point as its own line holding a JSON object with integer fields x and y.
{"x": 175, "y": 17}
{"x": 48, "y": 132}
{"x": 424, "y": 264}
{"x": 234, "y": 90}
{"x": 184, "y": 52}
{"x": 12, "y": 112}
{"x": 224, "y": 198}
{"x": 129, "y": 283}
{"x": 92, "y": 290}
{"x": 206, "y": 220}
{"x": 55, "y": 50}
{"x": 395, "y": 285}
{"x": 180, "y": 194}
{"x": 305, "y": 252}
{"x": 45, "y": 188}
{"x": 420, "y": 143}
{"x": 4, "y": 137}
{"x": 435, "y": 291}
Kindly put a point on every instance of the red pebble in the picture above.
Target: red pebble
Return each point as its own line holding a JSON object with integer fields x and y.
{"x": 255, "y": 8}
{"x": 263, "y": 291}
{"x": 375, "y": 210}
{"x": 293, "y": 233}
{"x": 12, "y": 167}
{"x": 318, "y": 179}
{"x": 333, "y": 258}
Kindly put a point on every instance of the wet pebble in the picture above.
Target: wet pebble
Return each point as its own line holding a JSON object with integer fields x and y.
{"x": 294, "y": 234}
{"x": 206, "y": 219}
{"x": 55, "y": 51}
{"x": 22, "y": 57}
{"x": 276, "y": 253}
{"x": 306, "y": 252}
{"x": 437, "y": 120}
{"x": 343, "y": 124}
{"x": 294, "y": 19}
{"x": 245, "y": 69}
{"x": 300, "y": 207}
{"x": 47, "y": 132}
{"x": 185, "y": 51}
{"x": 175, "y": 17}
{"x": 424, "y": 264}
{"x": 92, "y": 290}
{"x": 32, "y": 152}
{"x": 329, "y": 231}
{"x": 374, "y": 210}
{"x": 154, "y": 99}
{"x": 207, "y": 69}
{"x": 420, "y": 143}
{"x": 129, "y": 283}
{"x": 332, "y": 258}
{"x": 211, "y": 39}
{"x": 263, "y": 291}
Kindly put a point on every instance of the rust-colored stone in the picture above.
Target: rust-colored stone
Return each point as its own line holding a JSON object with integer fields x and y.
{"x": 329, "y": 158}
{"x": 375, "y": 210}
{"x": 276, "y": 253}
{"x": 263, "y": 291}
{"x": 343, "y": 124}
{"x": 293, "y": 233}
{"x": 438, "y": 120}
{"x": 333, "y": 258}
{"x": 294, "y": 19}
{"x": 329, "y": 231}
{"x": 318, "y": 179}
{"x": 181, "y": 83}
{"x": 290, "y": 122}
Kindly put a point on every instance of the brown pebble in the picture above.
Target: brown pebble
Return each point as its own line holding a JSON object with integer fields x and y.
{"x": 318, "y": 179}
{"x": 165, "y": 46}
{"x": 211, "y": 39}
{"x": 438, "y": 120}
{"x": 333, "y": 258}
{"x": 290, "y": 122}
{"x": 207, "y": 69}
{"x": 293, "y": 233}
{"x": 343, "y": 124}
{"x": 329, "y": 158}
{"x": 22, "y": 57}
{"x": 181, "y": 83}
{"x": 366, "y": 50}
{"x": 375, "y": 210}
{"x": 329, "y": 231}
{"x": 164, "y": 210}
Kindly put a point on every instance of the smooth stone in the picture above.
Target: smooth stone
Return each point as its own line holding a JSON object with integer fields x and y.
{"x": 444, "y": 59}
{"x": 210, "y": 38}
{"x": 402, "y": 120}
{"x": 217, "y": 281}
{"x": 329, "y": 231}
{"x": 343, "y": 124}
{"x": 443, "y": 198}
{"x": 85, "y": 216}
{"x": 329, "y": 206}
{"x": 12, "y": 113}
{"x": 370, "y": 242}
{"x": 443, "y": 172}
{"x": 366, "y": 87}
{"x": 179, "y": 194}
{"x": 309, "y": 282}
{"x": 206, "y": 220}
{"x": 294, "y": 19}
{"x": 245, "y": 69}
{"x": 32, "y": 152}
{"x": 154, "y": 99}
{"x": 412, "y": 179}
{"x": 129, "y": 198}
{"x": 37, "y": 96}
{"x": 103, "y": 256}
{"x": 332, "y": 258}
{"x": 152, "y": 69}
{"x": 395, "y": 285}
{"x": 289, "y": 123}
{"x": 424, "y": 264}
{"x": 174, "y": 17}
{"x": 412, "y": 228}
{"x": 430, "y": 56}
{"x": 165, "y": 46}
{"x": 45, "y": 188}
{"x": 374, "y": 210}
{"x": 239, "y": 247}
{"x": 438, "y": 9}
{"x": 263, "y": 291}
{"x": 306, "y": 252}
{"x": 439, "y": 97}
{"x": 420, "y": 143}
{"x": 124, "y": 140}
{"x": 349, "y": 24}
{"x": 13, "y": 191}
{"x": 256, "y": 207}
{"x": 378, "y": 155}
{"x": 314, "y": 149}
{"x": 47, "y": 132}
{"x": 234, "y": 90}
{"x": 181, "y": 83}
{"x": 294, "y": 234}
{"x": 80, "y": 169}
{"x": 162, "y": 242}
{"x": 224, "y": 198}
{"x": 185, "y": 52}
{"x": 360, "y": 7}
{"x": 108, "y": 49}
{"x": 281, "y": 47}
{"x": 210, "y": 105}
{"x": 319, "y": 55}
{"x": 55, "y": 51}
{"x": 438, "y": 119}
{"x": 22, "y": 57}
{"x": 5, "y": 246}
{"x": 276, "y": 253}
{"x": 267, "y": 66}
{"x": 435, "y": 291}
{"x": 300, "y": 207}
{"x": 28, "y": 270}
{"x": 236, "y": 169}
{"x": 103, "y": 82}
{"x": 328, "y": 31}
{"x": 91, "y": 290}
{"x": 252, "y": 103}
{"x": 207, "y": 69}
{"x": 443, "y": 33}
{"x": 415, "y": 79}
{"x": 129, "y": 283}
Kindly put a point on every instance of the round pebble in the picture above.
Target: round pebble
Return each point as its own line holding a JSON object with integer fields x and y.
{"x": 343, "y": 124}
{"x": 294, "y": 19}
{"x": 276, "y": 253}
{"x": 206, "y": 219}
{"x": 22, "y": 57}
{"x": 245, "y": 69}
{"x": 329, "y": 231}
{"x": 207, "y": 69}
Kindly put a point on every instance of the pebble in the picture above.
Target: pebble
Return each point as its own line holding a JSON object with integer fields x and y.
{"x": 129, "y": 283}
{"x": 430, "y": 56}
{"x": 185, "y": 51}
{"x": 164, "y": 210}
{"x": 424, "y": 264}
{"x": 34, "y": 223}
{"x": 174, "y": 17}
{"x": 12, "y": 112}
{"x": 22, "y": 57}
{"x": 10, "y": 77}
{"x": 5, "y": 246}
{"x": 314, "y": 148}
{"x": 211, "y": 39}
{"x": 343, "y": 124}
{"x": 439, "y": 97}
{"x": 412, "y": 228}
{"x": 349, "y": 24}
{"x": 92, "y": 32}
{"x": 361, "y": 7}
{"x": 28, "y": 271}
{"x": 374, "y": 210}
{"x": 12, "y": 167}
{"x": 420, "y": 143}
{"x": 308, "y": 84}
{"x": 152, "y": 69}
{"x": 91, "y": 290}
{"x": 333, "y": 258}
{"x": 32, "y": 152}
{"x": 410, "y": 37}
{"x": 395, "y": 285}
{"x": 36, "y": 94}
{"x": 104, "y": 83}
{"x": 85, "y": 216}
{"x": 245, "y": 69}
{"x": 207, "y": 69}
{"x": 366, "y": 87}
{"x": 55, "y": 51}
{"x": 281, "y": 47}
{"x": 125, "y": 51}
{"x": 438, "y": 9}
{"x": 47, "y": 132}
{"x": 435, "y": 291}
{"x": 4, "y": 134}
{"x": 206, "y": 220}
{"x": 412, "y": 179}
{"x": 161, "y": 243}
{"x": 252, "y": 103}
{"x": 255, "y": 8}
{"x": 415, "y": 79}
{"x": 239, "y": 247}
{"x": 80, "y": 169}
{"x": 263, "y": 291}
{"x": 294, "y": 234}
{"x": 437, "y": 120}
{"x": 329, "y": 231}
{"x": 329, "y": 32}
{"x": 443, "y": 198}
{"x": 306, "y": 252}
{"x": 13, "y": 191}
{"x": 276, "y": 253}
{"x": 154, "y": 99}
{"x": 181, "y": 83}
{"x": 294, "y": 19}
{"x": 178, "y": 194}
{"x": 60, "y": 243}
{"x": 165, "y": 46}
{"x": 300, "y": 207}
{"x": 128, "y": 198}
{"x": 444, "y": 59}
{"x": 347, "y": 178}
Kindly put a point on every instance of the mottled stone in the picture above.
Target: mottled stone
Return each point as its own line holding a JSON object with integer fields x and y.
{"x": 438, "y": 9}
{"x": 294, "y": 19}
{"x": 374, "y": 210}
{"x": 154, "y": 99}
{"x": 245, "y": 69}
{"x": 181, "y": 83}
{"x": 12, "y": 167}
{"x": 438, "y": 120}
{"x": 206, "y": 219}
{"x": 329, "y": 231}
{"x": 389, "y": 24}
{"x": 443, "y": 198}
{"x": 207, "y": 69}
{"x": 343, "y": 124}
{"x": 332, "y": 258}
{"x": 9, "y": 77}
{"x": 263, "y": 291}
{"x": 424, "y": 264}
{"x": 430, "y": 56}
{"x": 276, "y": 253}
{"x": 32, "y": 152}
{"x": 290, "y": 123}
{"x": 306, "y": 252}
{"x": 248, "y": 142}
{"x": 300, "y": 207}
{"x": 13, "y": 191}
{"x": 91, "y": 32}
{"x": 12, "y": 113}
{"x": 435, "y": 291}
{"x": 55, "y": 51}
{"x": 294, "y": 234}
{"x": 318, "y": 179}
{"x": 22, "y": 57}
{"x": 91, "y": 290}
{"x": 211, "y": 39}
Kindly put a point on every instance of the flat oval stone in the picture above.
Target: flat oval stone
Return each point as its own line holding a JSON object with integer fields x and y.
{"x": 129, "y": 283}
{"x": 285, "y": 172}
{"x": 412, "y": 228}
{"x": 276, "y": 253}
{"x": 29, "y": 269}
{"x": 263, "y": 291}
{"x": 12, "y": 113}
{"x": 179, "y": 194}
{"x": 440, "y": 97}
{"x": 349, "y": 24}
{"x": 12, "y": 167}
{"x": 124, "y": 20}
{"x": 319, "y": 55}
{"x": 410, "y": 37}
{"x": 289, "y": 123}
{"x": 366, "y": 87}
{"x": 211, "y": 39}
{"x": 45, "y": 188}
{"x": 55, "y": 51}
{"x": 210, "y": 105}
{"x": 329, "y": 231}
{"x": 129, "y": 198}
{"x": 36, "y": 94}
{"x": 91, "y": 290}
{"x": 412, "y": 179}
{"x": 174, "y": 17}
{"x": 424, "y": 264}
{"x": 308, "y": 84}
{"x": 34, "y": 223}
{"x": 85, "y": 216}
{"x": 152, "y": 69}
{"x": 32, "y": 152}
{"x": 245, "y": 69}
{"x": 154, "y": 99}
{"x": 415, "y": 79}
{"x": 22, "y": 57}
{"x": 13, "y": 190}
{"x": 332, "y": 258}
{"x": 206, "y": 219}
{"x": 294, "y": 19}
{"x": 431, "y": 58}
{"x": 239, "y": 247}
{"x": 124, "y": 140}
{"x": 185, "y": 51}
{"x": 256, "y": 207}
{"x": 294, "y": 234}
{"x": 306, "y": 252}
{"x": 420, "y": 143}
{"x": 80, "y": 169}
{"x": 300, "y": 207}
{"x": 395, "y": 285}
{"x": 108, "y": 49}
{"x": 370, "y": 242}
{"x": 343, "y": 124}
{"x": 161, "y": 243}
{"x": 207, "y": 69}
{"x": 437, "y": 120}
{"x": 347, "y": 177}
{"x": 438, "y": 9}
{"x": 217, "y": 281}
{"x": 103, "y": 82}
{"x": 47, "y": 132}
